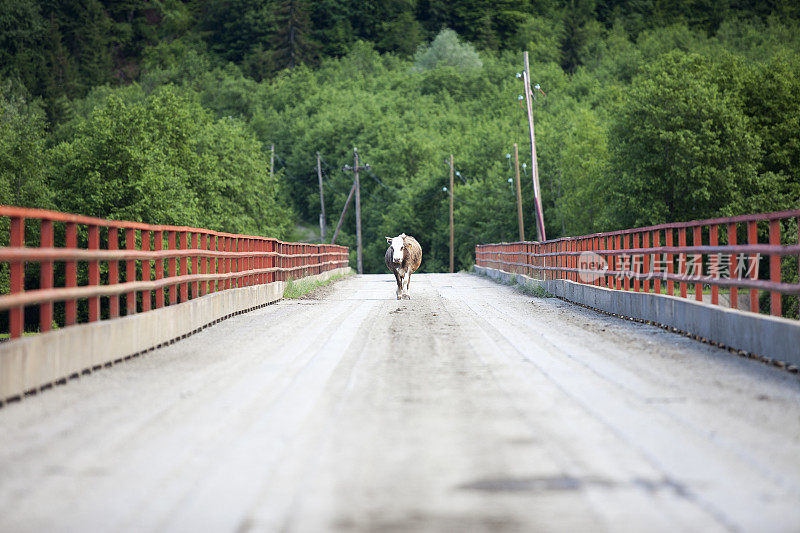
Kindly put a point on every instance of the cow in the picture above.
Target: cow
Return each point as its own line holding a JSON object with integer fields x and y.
{"x": 403, "y": 257}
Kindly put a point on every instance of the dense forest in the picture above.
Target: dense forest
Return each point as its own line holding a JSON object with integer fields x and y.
{"x": 166, "y": 111}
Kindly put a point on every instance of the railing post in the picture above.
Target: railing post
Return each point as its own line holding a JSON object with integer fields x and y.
{"x": 548, "y": 260}
{"x": 528, "y": 260}
{"x": 670, "y": 265}
{"x": 682, "y": 260}
{"x": 264, "y": 263}
{"x": 214, "y": 265}
{"x": 697, "y": 240}
{"x": 226, "y": 265}
{"x": 94, "y": 273}
{"x": 230, "y": 265}
{"x": 251, "y": 245}
{"x": 561, "y": 247}
{"x": 146, "y": 295}
{"x": 71, "y": 273}
{"x": 203, "y": 263}
{"x": 172, "y": 267}
{"x": 16, "y": 316}
{"x": 241, "y": 263}
{"x": 732, "y": 241}
{"x": 752, "y": 238}
{"x": 196, "y": 264}
{"x": 713, "y": 261}
{"x": 646, "y": 261}
{"x": 159, "y": 267}
{"x": 575, "y": 245}
{"x": 130, "y": 271}
{"x": 602, "y": 245}
{"x": 233, "y": 246}
{"x": 657, "y": 244}
{"x": 184, "y": 245}
{"x": 113, "y": 273}
{"x": 625, "y": 245}
{"x": 775, "y": 267}
{"x": 270, "y": 245}
{"x": 46, "y": 276}
{"x": 634, "y": 264}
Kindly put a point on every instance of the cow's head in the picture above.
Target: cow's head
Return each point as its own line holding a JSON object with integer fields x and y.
{"x": 397, "y": 247}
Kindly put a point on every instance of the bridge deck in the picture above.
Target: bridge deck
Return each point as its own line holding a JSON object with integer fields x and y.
{"x": 471, "y": 407}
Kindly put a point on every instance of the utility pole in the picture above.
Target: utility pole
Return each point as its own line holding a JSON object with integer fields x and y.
{"x": 321, "y": 202}
{"x": 272, "y": 161}
{"x": 344, "y": 211}
{"x": 537, "y": 198}
{"x": 451, "y": 213}
{"x": 355, "y": 168}
{"x": 519, "y": 194}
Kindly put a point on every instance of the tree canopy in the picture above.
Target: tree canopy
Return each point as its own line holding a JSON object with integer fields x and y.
{"x": 651, "y": 111}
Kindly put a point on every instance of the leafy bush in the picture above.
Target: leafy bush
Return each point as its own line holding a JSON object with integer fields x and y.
{"x": 447, "y": 50}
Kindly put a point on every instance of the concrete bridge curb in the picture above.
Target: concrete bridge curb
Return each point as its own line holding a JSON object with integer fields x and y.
{"x": 34, "y": 362}
{"x": 767, "y": 336}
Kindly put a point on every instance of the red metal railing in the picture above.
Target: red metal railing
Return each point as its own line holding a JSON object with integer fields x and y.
{"x": 199, "y": 262}
{"x": 669, "y": 258}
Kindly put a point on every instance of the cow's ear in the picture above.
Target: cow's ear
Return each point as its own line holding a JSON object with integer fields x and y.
{"x": 389, "y": 240}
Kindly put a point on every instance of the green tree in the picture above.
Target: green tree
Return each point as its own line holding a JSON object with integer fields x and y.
{"x": 680, "y": 148}
{"x": 234, "y": 188}
{"x": 233, "y": 28}
{"x": 291, "y": 41}
{"x": 579, "y": 28}
{"x": 23, "y": 164}
{"x": 22, "y": 37}
{"x": 131, "y": 158}
{"x": 163, "y": 158}
{"x": 447, "y": 50}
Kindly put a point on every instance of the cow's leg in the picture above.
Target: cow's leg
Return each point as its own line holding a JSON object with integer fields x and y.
{"x": 406, "y": 281}
{"x": 399, "y": 291}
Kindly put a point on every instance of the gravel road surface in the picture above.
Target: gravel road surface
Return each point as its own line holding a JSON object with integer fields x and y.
{"x": 471, "y": 407}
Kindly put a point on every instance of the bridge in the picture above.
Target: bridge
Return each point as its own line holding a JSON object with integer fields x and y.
{"x": 547, "y": 391}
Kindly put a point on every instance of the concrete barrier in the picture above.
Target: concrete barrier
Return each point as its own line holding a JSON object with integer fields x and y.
{"x": 764, "y": 335}
{"x": 30, "y": 363}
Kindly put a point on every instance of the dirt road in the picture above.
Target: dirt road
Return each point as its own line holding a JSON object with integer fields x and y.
{"x": 471, "y": 407}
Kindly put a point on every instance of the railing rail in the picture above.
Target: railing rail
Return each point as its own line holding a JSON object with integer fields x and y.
{"x": 700, "y": 253}
{"x": 150, "y": 266}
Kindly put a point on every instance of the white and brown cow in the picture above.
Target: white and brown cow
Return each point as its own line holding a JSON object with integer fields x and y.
{"x": 403, "y": 257}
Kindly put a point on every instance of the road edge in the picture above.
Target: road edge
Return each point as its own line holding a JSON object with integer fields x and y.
{"x": 37, "y": 362}
{"x": 772, "y": 339}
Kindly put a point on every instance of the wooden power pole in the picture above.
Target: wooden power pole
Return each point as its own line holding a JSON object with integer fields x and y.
{"x": 451, "y": 213}
{"x": 519, "y": 194}
{"x": 537, "y": 197}
{"x": 321, "y": 202}
{"x": 344, "y": 212}
{"x": 355, "y": 168}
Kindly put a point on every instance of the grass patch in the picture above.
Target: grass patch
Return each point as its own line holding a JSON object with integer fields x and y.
{"x": 296, "y": 289}
{"x": 532, "y": 289}
{"x": 7, "y": 336}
